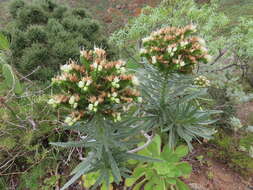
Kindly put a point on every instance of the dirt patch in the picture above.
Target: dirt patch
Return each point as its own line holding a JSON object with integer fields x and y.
{"x": 209, "y": 174}
{"x": 217, "y": 177}
{"x": 245, "y": 113}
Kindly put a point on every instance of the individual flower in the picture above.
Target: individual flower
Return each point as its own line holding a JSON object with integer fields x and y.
{"x": 93, "y": 107}
{"x": 208, "y": 58}
{"x": 193, "y": 27}
{"x": 72, "y": 100}
{"x": 154, "y": 60}
{"x": 139, "y": 99}
{"x": 53, "y": 102}
{"x": 81, "y": 84}
{"x": 202, "y": 41}
{"x": 66, "y": 68}
{"x": 135, "y": 81}
{"x": 69, "y": 120}
{"x": 117, "y": 117}
{"x": 143, "y": 51}
{"x": 115, "y": 82}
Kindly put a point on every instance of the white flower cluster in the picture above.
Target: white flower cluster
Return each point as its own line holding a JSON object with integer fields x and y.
{"x": 113, "y": 97}
{"x": 154, "y": 60}
{"x": 93, "y": 107}
{"x": 184, "y": 43}
{"x": 139, "y": 99}
{"x": 73, "y": 101}
{"x": 143, "y": 51}
{"x": 66, "y": 68}
{"x": 171, "y": 50}
{"x": 149, "y": 38}
{"x": 84, "y": 84}
{"x": 115, "y": 82}
{"x": 53, "y": 102}
{"x": 193, "y": 27}
{"x": 121, "y": 69}
{"x": 97, "y": 66}
{"x": 208, "y": 57}
{"x": 135, "y": 81}
{"x": 86, "y": 94}
{"x": 70, "y": 120}
{"x": 202, "y": 81}
{"x": 117, "y": 117}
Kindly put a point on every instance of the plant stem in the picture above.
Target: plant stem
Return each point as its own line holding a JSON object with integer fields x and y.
{"x": 164, "y": 89}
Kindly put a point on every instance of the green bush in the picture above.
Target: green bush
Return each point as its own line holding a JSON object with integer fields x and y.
{"x": 45, "y": 35}
{"x": 234, "y": 150}
{"x": 161, "y": 175}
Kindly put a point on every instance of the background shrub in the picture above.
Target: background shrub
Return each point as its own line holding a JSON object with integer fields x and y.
{"x": 46, "y": 34}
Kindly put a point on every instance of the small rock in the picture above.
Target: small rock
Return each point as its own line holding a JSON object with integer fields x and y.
{"x": 195, "y": 186}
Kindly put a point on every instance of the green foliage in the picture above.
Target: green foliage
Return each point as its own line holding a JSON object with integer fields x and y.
{"x": 160, "y": 175}
{"x": 173, "y": 106}
{"x": 90, "y": 179}
{"x": 10, "y": 80}
{"x": 25, "y": 129}
{"x": 38, "y": 177}
{"x": 235, "y": 123}
{"x": 172, "y": 13}
{"x": 230, "y": 45}
{"x": 108, "y": 143}
{"x": 246, "y": 144}
{"x": 45, "y": 34}
{"x": 3, "y": 184}
{"x": 4, "y": 43}
{"x": 234, "y": 150}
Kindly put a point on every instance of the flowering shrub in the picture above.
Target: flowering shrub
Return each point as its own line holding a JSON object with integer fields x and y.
{"x": 95, "y": 86}
{"x": 171, "y": 97}
{"x": 97, "y": 93}
{"x": 175, "y": 49}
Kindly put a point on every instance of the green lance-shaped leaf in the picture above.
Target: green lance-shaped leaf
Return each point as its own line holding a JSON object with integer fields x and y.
{"x": 115, "y": 169}
{"x": 4, "y": 43}
{"x": 81, "y": 169}
{"x": 75, "y": 177}
{"x": 140, "y": 157}
{"x": 10, "y": 79}
{"x": 70, "y": 144}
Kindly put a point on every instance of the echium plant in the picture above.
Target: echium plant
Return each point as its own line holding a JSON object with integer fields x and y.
{"x": 96, "y": 87}
{"x": 171, "y": 92}
{"x": 95, "y": 92}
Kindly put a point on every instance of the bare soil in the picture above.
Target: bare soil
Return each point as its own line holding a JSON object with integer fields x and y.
{"x": 210, "y": 174}
{"x": 245, "y": 113}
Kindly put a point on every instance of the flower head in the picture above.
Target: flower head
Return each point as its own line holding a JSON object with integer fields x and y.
{"x": 175, "y": 49}
{"x": 201, "y": 81}
{"x": 95, "y": 88}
